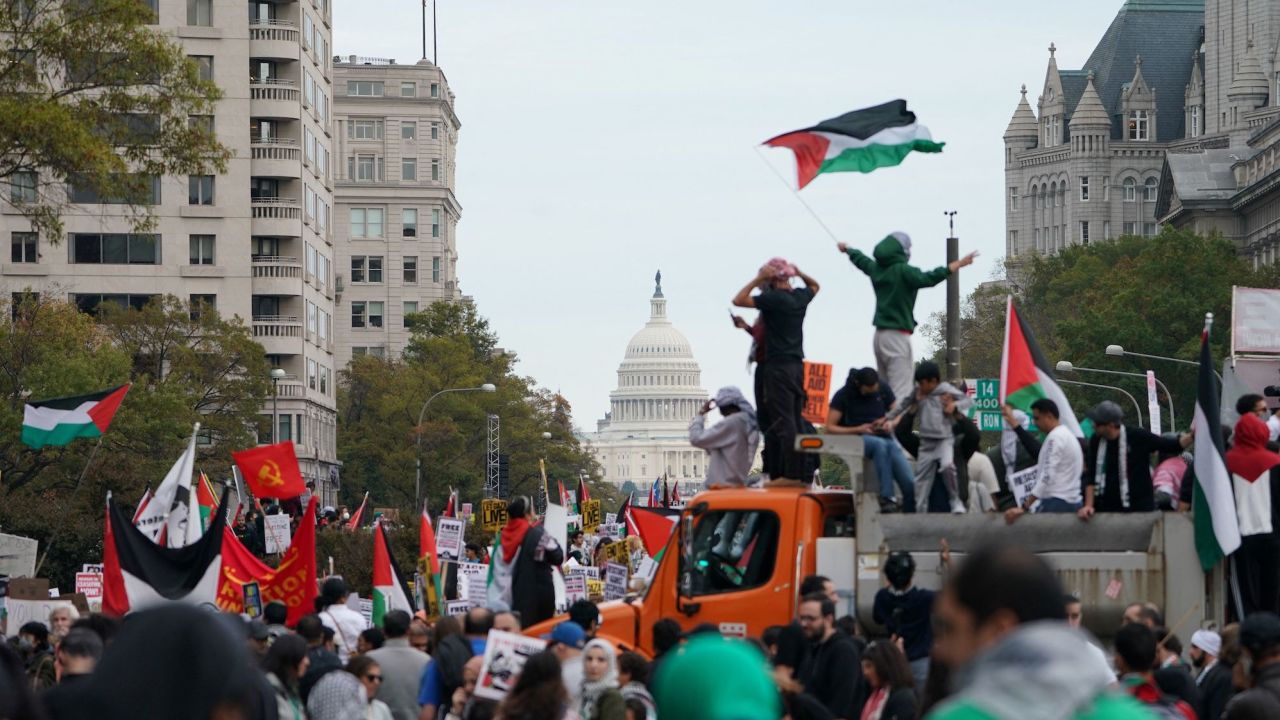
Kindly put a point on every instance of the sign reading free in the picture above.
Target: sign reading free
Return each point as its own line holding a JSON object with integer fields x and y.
{"x": 986, "y": 404}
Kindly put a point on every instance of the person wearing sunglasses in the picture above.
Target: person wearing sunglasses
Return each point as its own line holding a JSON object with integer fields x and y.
{"x": 369, "y": 673}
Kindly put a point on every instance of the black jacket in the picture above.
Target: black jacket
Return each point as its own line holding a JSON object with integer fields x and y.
{"x": 1260, "y": 703}
{"x": 1141, "y": 494}
{"x": 1215, "y": 690}
{"x": 1177, "y": 681}
{"x": 532, "y": 591}
{"x": 833, "y": 676}
{"x": 901, "y": 705}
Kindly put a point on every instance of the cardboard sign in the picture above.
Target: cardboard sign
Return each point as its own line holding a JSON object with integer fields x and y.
{"x": 575, "y": 588}
{"x": 1253, "y": 320}
{"x": 647, "y": 568}
{"x": 817, "y": 391}
{"x": 473, "y": 582}
{"x": 493, "y": 514}
{"x": 504, "y": 657}
{"x": 79, "y": 602}
{"x": 1023, "y": 482}
{"x": 617, "y": 552}
{"x": 277, "y": 533}
{"x": 449, "y": 538}
{"x": 615, "y": 581}
{"x": 252, "y": 599}
{"x": 591, "y": 516}
{"x": 21, "y": 612}
{"x": 90, "y": 585}
{"x": 28, "y": 589}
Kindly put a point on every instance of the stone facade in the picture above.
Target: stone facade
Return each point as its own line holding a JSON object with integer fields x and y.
{"x": 254, "y": 242}
{"x": 397, "y": 215}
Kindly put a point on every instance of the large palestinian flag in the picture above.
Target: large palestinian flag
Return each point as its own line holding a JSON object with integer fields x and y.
{"x": 389, "y": 589}
{"x": 859, "y": 141}
{"x": 137, "y": 573}
{"x": 654, "y": 526}
{"x": 61, "y": 420}
{"x": 1025, "y": 375}
{"x": 1213, "y": 506}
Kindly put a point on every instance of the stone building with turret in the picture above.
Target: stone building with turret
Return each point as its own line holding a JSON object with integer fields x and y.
{"x": 1084, "y": 165}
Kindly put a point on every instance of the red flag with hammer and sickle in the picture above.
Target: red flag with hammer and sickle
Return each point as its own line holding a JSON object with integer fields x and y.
{"x": 271, "y": 471}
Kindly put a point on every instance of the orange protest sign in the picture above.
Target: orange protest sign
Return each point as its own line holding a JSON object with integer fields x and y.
{"x": 817, "y": 391}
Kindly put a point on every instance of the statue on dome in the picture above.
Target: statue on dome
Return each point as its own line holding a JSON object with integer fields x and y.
{"x": 657, "y": 284}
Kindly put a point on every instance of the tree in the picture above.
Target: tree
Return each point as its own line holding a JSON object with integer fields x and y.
{"x": 95, "y": 97}
{"x": 1146, "y": 294}
{"x": 183, "y": 370}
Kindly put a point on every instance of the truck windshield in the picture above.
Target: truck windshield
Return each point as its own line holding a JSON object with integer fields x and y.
{"x": 733, "y": 550}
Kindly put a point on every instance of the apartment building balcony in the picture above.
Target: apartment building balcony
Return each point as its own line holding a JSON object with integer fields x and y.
{"x": 273, "y": 39}
{"x": 276, "y": 158}
{"x": 275, "y": 98}
{"x": 277, "y": 276}
{"x": 291, "y": 386}
{"x": 276, "y": 216}
{"x": 278, "y": 334}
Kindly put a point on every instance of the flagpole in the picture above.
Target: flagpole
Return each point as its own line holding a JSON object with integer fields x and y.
{"x": 796, "y": 193}
{"x": 62, "y": 523}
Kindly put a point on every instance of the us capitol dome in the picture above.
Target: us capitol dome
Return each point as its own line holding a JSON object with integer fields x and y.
{"x": 645, "y": 434}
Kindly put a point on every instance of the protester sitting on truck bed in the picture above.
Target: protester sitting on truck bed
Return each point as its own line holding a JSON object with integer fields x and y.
{"x": 859, "y": 408}
{"x": 1117, "y": 475}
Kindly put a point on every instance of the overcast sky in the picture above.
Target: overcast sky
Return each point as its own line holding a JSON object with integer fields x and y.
{"x": 604, "y": 140}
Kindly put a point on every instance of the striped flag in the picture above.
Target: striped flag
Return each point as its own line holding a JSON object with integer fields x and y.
{"x": 655, "y": 493}
{"x": 389, "y": 589}
{"x": 357, "y": 517}
{"x": 206, "y": 500}
{"x": 427, "y": 559}
{"x": 142, "y": 506}
{"x": 1025, "y": 374}
{"x": 1217, "y": 526}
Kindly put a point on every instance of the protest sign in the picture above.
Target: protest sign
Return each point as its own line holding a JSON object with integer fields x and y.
{"x": 591, "y": 516}
{"x": 92, "y": 568}
{"x": 366, "y": 609}
{"x": 615, "y": 581}
{"x": 647, "y": 568}
{"x": 21, "y": 612}
{"x": 449, "y": 542}
{"x": 473, "y": 582}
{"x": 90, "y": 583}
{"x": 595, "y": 590}
{"x": 467, "y": 510}
{"x": 575, "y": 588}
{"x": 592, "y": 573}
{"x": 276, "y": 532}
{"x": 617, "y": 552}
{"x": 610, "y": 518}
{"x": 493, "y": 514}
{"x": 252, "y": 599}
{"x": 504, "y": 657}
{"x": 817, "y": 391}
{"x": 1023, "y": 481}
{"x": 457, "y": 607}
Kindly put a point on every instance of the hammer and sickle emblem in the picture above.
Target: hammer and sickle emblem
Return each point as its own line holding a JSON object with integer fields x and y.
{"x": 270, "y": 475}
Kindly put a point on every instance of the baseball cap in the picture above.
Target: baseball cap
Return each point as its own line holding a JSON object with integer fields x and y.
{"x": 258, "y": 630}
{"x": 1106, "y": 412}
{"x": 690, "y": 682}
{"x": 568, "y": 633}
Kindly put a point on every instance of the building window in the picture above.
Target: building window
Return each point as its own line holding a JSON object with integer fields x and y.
{"x": 409, "y": 222}
{"x": 1130, "y": 190}
{"x": 374, "y": 313}
{"x": 23, "y": 247}
{"x": 115, "y": 249}
{"x": 1054, "y": 247}
{"x": 1013, "y": 244}
{"x": 363, "y": 167}
{"x": 200, "y": 190}
{"x": 435, "y": 131}
{"x": 204, "y": 64}
{"x": 408, "y": 168}
{"x": 366, "y": 222}
{"x": 435, "y": 169}
{"x": 1084, "y": 232}
{"x": 85, "y": 195}
{"x": 1106, "y": 230}
{"x": 1106, "y": 189}
{"x": 410, "y": 307}
{"x": 364, "y": 129}
{"x": 1139, "y": 125}
{"x": 408, "y": 130}
{"x": 89, "y": 302}
{"x": 1150, "y": 189}
{"x": 23, "y": 187}
{"x": 410, "y": 276}
{"x": 200, "y": 12}
{"x": 364, "y": 88}
{"x": 358, "y": 316}
{"x": 1013, "y": 198}
{"x": 312, "y": 372}
{"x": 435, "y": 269}
{"x": 200, "y": 304}
{"x": 435, "y": 223}
{"x": 375, "y": 268}
{"x": 1193, "y": 129}
{"x": 1084, "y": 188}
{"x": 1130, "y": 228}
{"x": 366, "y": 269}
{"x": 1036, "y": 237}
{"x": 408, "y": 89}
{"x": 435, "y": 90}
{"x": 1149, "y": 229}
{"x": 202, "y": 249}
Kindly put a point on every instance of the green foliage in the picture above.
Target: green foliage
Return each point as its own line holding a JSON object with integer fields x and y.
{"x": 93, "y": 92}
{"x": 1148, "y": 295}
{"x": 183, "y": 370}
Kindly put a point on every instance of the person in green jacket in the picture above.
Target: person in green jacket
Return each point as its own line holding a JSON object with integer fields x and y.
{"x": 896, "y": 284}
{"x": 1000, "y": 626}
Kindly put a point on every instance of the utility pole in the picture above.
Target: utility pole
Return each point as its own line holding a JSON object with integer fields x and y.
{"x": 492, "y": 458}
{"x": 953, "y": 301}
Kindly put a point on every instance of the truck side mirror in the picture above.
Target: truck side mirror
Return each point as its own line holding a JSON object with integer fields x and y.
{"x": 686, "y": 555}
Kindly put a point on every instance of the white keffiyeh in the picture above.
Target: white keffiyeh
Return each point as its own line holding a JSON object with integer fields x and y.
{"x": 1100, "y": 467}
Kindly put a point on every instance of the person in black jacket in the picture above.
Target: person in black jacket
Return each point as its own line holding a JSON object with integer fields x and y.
{"x": 829, "y": 674}
{"x": 523, "y": 565}
{"x": 968, "y": 437}
{"x": 1171, "y": 675}
{"x": 1116, "y": 481}
{"x": 890, "y": 685}
{"x": 1213, "y": 678}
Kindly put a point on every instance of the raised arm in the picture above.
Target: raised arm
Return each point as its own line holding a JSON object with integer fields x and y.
{"x": 743, "y": 298}
{"x": 809, "y": 282}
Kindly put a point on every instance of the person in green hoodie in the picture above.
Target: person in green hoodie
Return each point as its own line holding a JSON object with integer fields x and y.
{"x": 896, "y": 284}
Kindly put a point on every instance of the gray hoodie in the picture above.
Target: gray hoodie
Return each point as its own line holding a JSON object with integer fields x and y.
{"x": 933, "y": 424}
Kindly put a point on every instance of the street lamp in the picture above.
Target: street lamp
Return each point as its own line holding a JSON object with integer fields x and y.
{"x": 417, "y": 479}
{"x": 1066, "y": 366}
{"x": 277, "y": 374}
{"x": 1126, "y": 393}
{"x": 1119, "y": 351}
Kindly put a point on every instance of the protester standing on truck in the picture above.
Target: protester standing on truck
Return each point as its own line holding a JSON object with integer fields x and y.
{"x": 1060, "y": 460}
{"x": 1255, "y": 475}
{"x": 1117, "y": 475}
{"x": 937, "y": 455}
{"x": 967, "y": 438}
{"x": 896, "y": 284}
{"x": 779, "y": 384}
{"x": 731, "y": 443}
{"x": 860, "y": 408}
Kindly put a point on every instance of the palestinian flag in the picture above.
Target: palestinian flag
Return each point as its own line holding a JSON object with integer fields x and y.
{"x": 59, "y": 421}
{"x": 583, "y": 493}
{"x": 859, "y": 141}
{"x": 624, "y": 511}
{"x": 1025, "y": 376}
{"x": 1213, "y": 506}
{"x": 357, "y": 517}
{"x": 451, "y": 506}
{"x": 142, "y": 506}
{"x": 653, "y": 526}
{"x": 137, "y": 573}
{"x": 427, "y": 560}
{"x": 206, "y": 500}
{"x": 566, "y": 500}
{"x": 389, "y": 589}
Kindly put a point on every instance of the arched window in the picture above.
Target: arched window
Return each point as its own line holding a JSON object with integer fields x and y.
{"x": 1130, "y": 189}
{"x": 1150, "y": 189}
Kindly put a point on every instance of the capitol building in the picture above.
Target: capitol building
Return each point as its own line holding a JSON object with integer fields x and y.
{"x": 645, "y": 435}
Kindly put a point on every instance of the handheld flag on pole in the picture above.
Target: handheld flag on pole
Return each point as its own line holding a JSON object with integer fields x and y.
{"x": 58, "y": 421}
{"x": 142, "y": 506}
{"x": 206, "y": 500}
{"x": 1217, "y": 526}
{"x": 859, "y": 141}
{"x": 427, "y": 560}
{"x": 1025, "y": 374}
{"x": 389, "y": 589}
{"x": 583, "y": 493}
{"x": 357, "y": 517}
{"x": 163, "y": 520}
{"x": 271, "y": 470}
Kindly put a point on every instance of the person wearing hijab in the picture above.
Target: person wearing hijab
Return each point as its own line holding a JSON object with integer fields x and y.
{"x": 338, "y": 696}
{"x": 601, "y": 699}
{"x": 523, "y": 564}
{"x": 285, "y": 663}
{"x": 730, "y": 443}
{"x": 1255, "y": 477}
